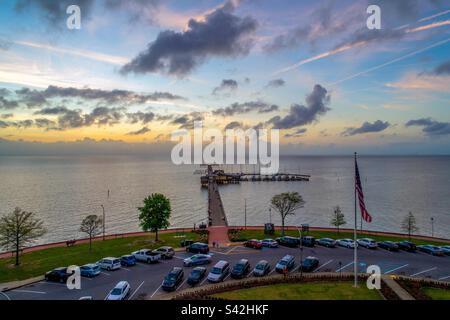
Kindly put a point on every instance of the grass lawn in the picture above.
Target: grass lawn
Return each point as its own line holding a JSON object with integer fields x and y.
{"x": 437, "y": 294}
{"x": 303, "y": 291}
{"x": 37, "y": 263}
{"x": 259, "y": 234}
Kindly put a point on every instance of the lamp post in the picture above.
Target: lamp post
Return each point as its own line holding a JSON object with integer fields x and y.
{"x": 270, "y": 215}
{"x": 432, "y": 226}
{"x": 245, "y": 213}
{"x": 103, "y": 209}
{"x": 301, "y": 251}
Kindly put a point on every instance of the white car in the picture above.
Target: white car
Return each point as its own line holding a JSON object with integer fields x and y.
{"x": 109, "y": 263}
{"x": 367, "y": 243}
{"x": 347, "y": 243}
{"x": 147, "y": 255}
{"x": 120, "y": 291}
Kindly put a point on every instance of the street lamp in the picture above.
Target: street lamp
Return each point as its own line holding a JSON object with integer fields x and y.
{"x": 432, "y": 226}
{"x": 103, "y": 209}
{"x": 245, "y": 213}
{"x": 301, "y": 251}
{"x": 270, "y": 215}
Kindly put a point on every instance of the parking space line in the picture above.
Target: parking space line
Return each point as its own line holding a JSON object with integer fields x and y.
{"x": 347, "y": 265}
{"x": 181, "y": 284}
{"x": 295, "y": 269}
{"x": 137, "y": 289}
{"x": 29, "y": 291}
{"x": 106, "y": 274}
{"x": 395, "y": 269}
{"x": 125, "y": 269}
{"x": 326, "y": 263}
{"x": 7, "y": 297}
{"x": 228, "y": 252}
{"x": 177, "y": 257}
{"x": 443, "y": 278}
{"x": 157, "y": 289}
{"x": 226, "y": 277}
{"x": 273, "y": 270}
{"x": 201, "y": 283}
{"x": 421, "y": 272}
{"x": 53, "y": 283}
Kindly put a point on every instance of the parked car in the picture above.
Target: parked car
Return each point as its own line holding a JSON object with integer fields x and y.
{"x": 219, "y": 272}
{"x": 186, "y": 243}
{"x": 269, "y": 243}
{"x": 327, "y": 242}
{"x": 198, "y": 247}
{"x": 346, "y": 243}
{"x": 240, "y": 269}
{"x": 197, "y": 260}
{"x": 287, "y": 241}
{"x": 146, "y": 255}
{"x": 308, "y": 241}
{"x": 165, "y": 252}
{"x": 367, "y": 243}
{"x": 197, "y": 274}
{"x": 388, "y": 245}
{"x": 309, "y": 264}
{"x": 430, "y": 249}
{"x": 407, "y": 246}
{"x": 255, "y": 244}
{"x": 109, "y": 263}
{"x": 286, "y": 264}
{"x": 261, "y": 269}
{"x": 57, "y": 275}
{"x": 128, "y": 260}
{"x": 446, "y": 249}
{"x": 173, "y": 279}
{"x": 120, "y": 291}
{"x": 90, "y": 270}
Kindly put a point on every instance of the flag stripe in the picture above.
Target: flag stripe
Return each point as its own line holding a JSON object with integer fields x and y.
{"x": 358, "y": 186}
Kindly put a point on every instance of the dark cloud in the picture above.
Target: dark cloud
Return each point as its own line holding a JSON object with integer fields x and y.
{"x": 52, "y": 111}
{"x": 144, "y": 117}
{"x": 442, "y": 69}
{"x": 221, "y": 34}
{"x": 431, "y": 127}
{"x": 367, "y": 127}
{"x": 296, "y": 134}
{"x": 187, "y": 121}
{"x": 32, "y": 98}
{"x": 4, "y": 124}
{"x": 276, "y": 83}
{"x": 246, "y": 107}
{"x": 6, "y": 104}
{"x": 234, "y": 125}
{"x": 227, "y": 85}
{"x": 300, "y": 115}
{"x": 45, "y": 123}
{"x": 4, "y": 92}
{"x": 144, "y": 130}
{"x": 6, "y": 115}
{"x": 100, "y": 116}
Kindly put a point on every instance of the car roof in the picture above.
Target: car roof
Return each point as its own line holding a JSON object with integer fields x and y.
{"x": 221, "y": 263}
{"x": 90, "y": 265}
{"x": 243, "y": 261}
{"x": 287, "y": 257}
{"x": 200, "y": 243}
{"x": 60, "y": 269}
{"x": 176, "y": 269}
{"x": 109, "y": 258}
{"x": 262, "y": 262}
{"x": 199, "y": 268}
{"x": 121, "y": 284}
{"x": 165, "y": 247}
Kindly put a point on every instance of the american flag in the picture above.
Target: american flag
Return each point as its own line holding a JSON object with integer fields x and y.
{"x": 362, "y": 206}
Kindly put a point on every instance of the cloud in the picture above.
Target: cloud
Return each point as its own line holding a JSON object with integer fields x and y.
{"x": 300, "y": 115}
{"x": 99, "y": 116}
{"x": 227, "y": 85}
{"x": 6, "y": 104}
{"x": 246, "y": 107}
{"x": 276, "y": 83}
{"x": 142, "y": 131}
{"x": 220, "y": 34}
{"x": 234, "y": 125}
{"x": 430, "y": 126}
{"x": 296, "y": 134}
{"x": 423, "y": 81}
{"x": 6, "y": 115}
{"x": 52, "y": 111}
{"x": 442, "y": 69}
{"x": 144, "y": 117}
{"x": 187, "y": 121}
{"x": 367, "y": 127}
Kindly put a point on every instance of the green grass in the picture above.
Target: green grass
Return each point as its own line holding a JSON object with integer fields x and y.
{"x": 259, "y": 234}
{"x": 437, "y": 294}
{"x": 38, "y": 262}
{"x": 303, "y": 291}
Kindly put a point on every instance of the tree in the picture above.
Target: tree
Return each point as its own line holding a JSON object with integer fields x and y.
{"x": 91, "y": 226}
{"x": 409, "y": 224}
{"x": 338, "y": 218}
{"x": 155, "y": 213}
{"x": 18, "y": 229}
{"x": 286, "y": 204}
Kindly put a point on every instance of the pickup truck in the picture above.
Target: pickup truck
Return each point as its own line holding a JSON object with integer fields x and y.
{"x": 147, "y": 255}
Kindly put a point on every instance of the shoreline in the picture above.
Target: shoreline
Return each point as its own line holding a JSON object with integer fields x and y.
{"x": 8, "y": 254}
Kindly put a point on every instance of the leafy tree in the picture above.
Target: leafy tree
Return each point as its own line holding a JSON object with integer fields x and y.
{"x": 91, "y": 226}
{"x": 338, "y": 218}
{"x": 155, "y": 213}
{"x": 409, "y": 224}
{"x": 18, "y": 229}
{"x": 286, "y": 204}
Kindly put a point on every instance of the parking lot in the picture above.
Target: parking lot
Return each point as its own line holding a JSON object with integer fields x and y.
{"x": 146, "y": 279}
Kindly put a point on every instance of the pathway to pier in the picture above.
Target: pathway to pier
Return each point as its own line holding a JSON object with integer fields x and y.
{"x": 218, "y": 225}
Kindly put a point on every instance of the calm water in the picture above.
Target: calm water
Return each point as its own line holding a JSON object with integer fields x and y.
{"x": 63, "y": 190}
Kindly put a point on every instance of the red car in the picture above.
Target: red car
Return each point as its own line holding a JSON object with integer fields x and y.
{"x": 255, "y": 244}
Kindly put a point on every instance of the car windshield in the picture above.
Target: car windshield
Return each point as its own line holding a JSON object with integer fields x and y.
{"x": 216, "y": 270}
{"x": 282, "y": 262}
{"x": 239, "y": 267}
{"x": 308, "y": 261}
{"x": 196, "y": 273}
{"x": 260, "y": 266}
{"x": 116, "y": 292}
{"x": 171, "y": 277}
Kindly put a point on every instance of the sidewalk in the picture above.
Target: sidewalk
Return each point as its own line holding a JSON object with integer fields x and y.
{"x": 17, "y": 284}
{"x": 399, "y": 291}
{"x": 219, "y": 235}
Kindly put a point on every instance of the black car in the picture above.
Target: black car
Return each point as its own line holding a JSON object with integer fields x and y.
{"x": 388, "y": 245}
{"x": 173, "y": 279}
{"x": 288, "y": 241}
{"x": 309, "y": 264}
{"x": 327, "y": 242}
{"x": 186, "y": 243}
{"x": 57, "y": 275}
{"x": 261, "y": 269}
{"x": 308, "y": 241}
{"x": 197, "y": 274}
{"x": 198, "y": 247}
{"x": 240, "y": 269}
{"x": 407, "y": 246}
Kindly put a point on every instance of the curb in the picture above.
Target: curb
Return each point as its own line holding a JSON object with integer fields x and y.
{"x": 7, "y": 286}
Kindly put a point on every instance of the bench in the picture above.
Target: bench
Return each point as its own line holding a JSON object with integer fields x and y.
{"x": 70, "y": 243}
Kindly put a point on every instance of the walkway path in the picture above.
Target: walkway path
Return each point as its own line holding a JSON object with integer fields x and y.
{"x": 216, "y": 212}
{"x": 219, "y": 235}
{"x": 399, "y": 291}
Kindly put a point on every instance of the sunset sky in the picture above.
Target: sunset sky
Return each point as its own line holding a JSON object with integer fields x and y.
{"x": 138, "y": 70}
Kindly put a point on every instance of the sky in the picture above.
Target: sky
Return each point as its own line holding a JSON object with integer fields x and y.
{"x": 138, "y": 70}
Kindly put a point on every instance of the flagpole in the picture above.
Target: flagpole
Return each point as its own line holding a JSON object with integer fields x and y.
{"x": 355, "y": 250}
